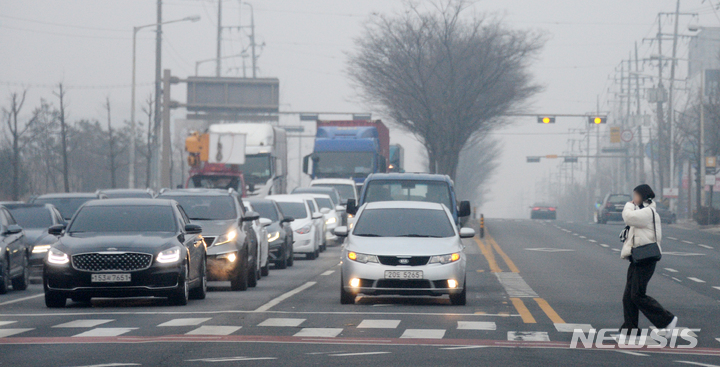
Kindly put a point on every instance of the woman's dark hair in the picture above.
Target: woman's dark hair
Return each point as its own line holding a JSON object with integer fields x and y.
{"x": 645, "y": 192}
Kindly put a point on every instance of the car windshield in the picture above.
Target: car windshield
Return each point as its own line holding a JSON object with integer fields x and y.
{"x": 66, "y": 206}
{"x": 294, "y": 210}
{"x": 32, "y": 217}
{"x": 344, "y": 164}
{"x": 266, "y": 210}
{"x": 324, "y": 203}
{"x": 346, "y": 191}
{"x": 408, "y": 190}
{"x": 199, "y": 207}
{"x": 403, "y": 223}
{"x": 124, "y": 218}
{"x": 128, "y": 195}
{"x": 619, "y": 199}
{"x": 257, "y": 168}
{"x": 215, "y": 182}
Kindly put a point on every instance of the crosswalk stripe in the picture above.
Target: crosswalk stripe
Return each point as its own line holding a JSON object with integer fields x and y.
{"x": 282, "y": 322}
{"x": 185, "y": 322}
{"x": 569, "y": 328}
{"x": 476, "y": 325}
{"x": 357, "y": 354}
{"x": 378, "y": 324}
{"x": 319, "y": 332}
{"x": 9, "y": 332}
{"x": 83, "y": 323}
{"x": 3, "y": 323}
{"x": 528, "y": 336}
{"x": 214, "y": 330}
{"x": 106, "y": 331}
{"x": 423, "y": 334}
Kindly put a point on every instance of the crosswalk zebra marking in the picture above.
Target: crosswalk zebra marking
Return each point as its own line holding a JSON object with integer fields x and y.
{"x": 185, "y": 322}
{"x": 106, "y": 332}
{"x": 378, "y": 324}
{"x": 214, "y": 330}
{"x": 282, "y": 322}
{"x": 88, "y": 323}
{"x": 319, "y": 332}
{"x": 528, "y": 336}
{"x": 423, "y": 334}
{"x": 9, "y": 332}
{"x": 476, "y": 325}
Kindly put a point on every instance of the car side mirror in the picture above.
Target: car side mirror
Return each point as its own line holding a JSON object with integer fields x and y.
{"x": 287, "y": 220}
{"x": 250, "y": 216}
{"x": 325, "y": 210}
{"x": 192, "y": 228}
{"x": 341, "y": 231}
{"x": 464, "y": 210}
{"x": 13, "y": 229}
{"x": 265, "y": 222}
{"x": 466, "y": 232}
{"x": 351, "y": 207}
{"x": 317, "y": 215}
{"x": 56, "y": 230}
{"x": 339, "y": 208}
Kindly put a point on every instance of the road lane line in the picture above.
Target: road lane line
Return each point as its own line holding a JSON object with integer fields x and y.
{"x": 706, "y": 246}
{"x": 283, "y": 297}
{"x": 231, "y": 359}
{"x": 696, "y": 280}
{"x": 583, "y": 237}
{"x": 551, "y": 314}
{"x": 633, "y": 353}
{"x": 671, "y": 270}
{"x": 672, "y": 238}
{"x": 698, "y": 364}
{"x": 593, "y": 241}
{"x": 466, "y": 347}
{"x": 487, "y": 252}
{"x": 510, "y": 264}
{"x": 688, "y": 242}
{"x": 604, "y": 245}
{"x": 679, "y": 281}
{"x": 327, "y": 273}
{"x": 523, "y": 311}
{"x": 718, "y": 288}
{"x": 357, "y": 354}
{"x": 21, "y": 299}
{"x": 3, "y": 323}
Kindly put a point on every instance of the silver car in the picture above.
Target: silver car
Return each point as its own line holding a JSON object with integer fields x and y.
{"x": 406, "y": 248}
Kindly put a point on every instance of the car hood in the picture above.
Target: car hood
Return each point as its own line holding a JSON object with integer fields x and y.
{"x": 404, "y": 245}
{"x": 39, "y": 236}
{"x": 136, "y": 242}
{"x": 299, "y": 223}
{"x": 214, "y": 228}
{"x": 274, "y": 227}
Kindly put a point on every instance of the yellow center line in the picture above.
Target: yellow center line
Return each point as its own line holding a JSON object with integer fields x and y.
{"x": 487, "y": 252}
{"x": 523, "y": 311}
{"x": 551, "y": 314}
{"x": 510, "y": 263}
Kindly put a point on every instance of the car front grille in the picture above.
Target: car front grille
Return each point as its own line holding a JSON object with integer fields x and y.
{"x": 209, "y": 240}
{"x": 124, "y": 261}
{"x": 404, "y": 261}
{"x": 403, "y": 283}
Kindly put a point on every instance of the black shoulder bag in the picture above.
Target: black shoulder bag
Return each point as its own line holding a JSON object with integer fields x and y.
{"x": 647, "y": 253}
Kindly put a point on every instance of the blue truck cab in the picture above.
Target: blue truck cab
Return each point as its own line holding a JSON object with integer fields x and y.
{"x": 411, "y": 187}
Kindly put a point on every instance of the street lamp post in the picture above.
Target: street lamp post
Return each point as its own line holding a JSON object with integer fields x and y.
{"x": 131, "y": 163}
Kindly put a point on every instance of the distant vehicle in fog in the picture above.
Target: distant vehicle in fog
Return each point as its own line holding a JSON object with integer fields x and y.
{"x": 611, "y": 207}
{"x": 543, "y": 211}
{"x": 279, "y": 233}
{"x": 345, "y": 187}
{"x": 307, "y": 237}
{"x": 67, "y": 203}
{"x": 14, "y": 254}
{"x": 667, "y": 216}
{"x": 128, "y": 193}
{"x": 35, "y": 219}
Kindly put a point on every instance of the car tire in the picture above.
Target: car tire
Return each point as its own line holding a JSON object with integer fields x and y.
{"x": 265, "y": 270}
{"x": 253, "y": 273}
{"x": 283, "y": 262}
{"x": 459, "y": 299}
{"x": 21, "y": 283}
{"x": 54, "y": 299}
{"x": 181, "y": 294}
{"x": 312, "y": 255}
{"x": 239, "y": 281}
{"x": 4, "y": 278}
{"x": 200, "y": 292}
{"x": 346, "y": 298}
{"x": 291, "y": 256}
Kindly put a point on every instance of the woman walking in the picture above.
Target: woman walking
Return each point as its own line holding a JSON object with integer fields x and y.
{"x": 642, "y": 247}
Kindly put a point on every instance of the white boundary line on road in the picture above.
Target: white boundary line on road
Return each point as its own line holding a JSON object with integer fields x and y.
{"x": 284, "y": 296}
{"x": 260, "y": 312}
{"x": 21, "y": 299}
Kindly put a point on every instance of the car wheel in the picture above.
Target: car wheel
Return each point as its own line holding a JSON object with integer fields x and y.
{"x": 54, "y": 299}
{"x": 283, "y": 262}
{"x": 21, "y": 283}
{"x": 200, "y": 292}
{"x": 182, "y": 292}
{"x": 265, "y": 270}
{"x": 312, "y": 255}
{"x": 346, "y": 298}
{"x": 291, "y": 256}
{"x": 254, "y": 273}
{"x": 239, "y": 282}
{"x": 459, "y": 299}
{"x": 4, "y": 278}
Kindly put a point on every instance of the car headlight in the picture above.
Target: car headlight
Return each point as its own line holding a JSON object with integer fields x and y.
{"x": 362, "y": 258}
{"x": 39, "y": 249}
{"x": 230, "y": 256}
{"x": 331, "y": 220}
{"x": 444, "y": 259}
{"x": 227, "y": 237}
{"x": 304, "y": 230}
{"x": 351, "y": 216}
{"x": 169, "y": 256}
{"x": 57, "y": 257}
{"x": 273, "y": 236}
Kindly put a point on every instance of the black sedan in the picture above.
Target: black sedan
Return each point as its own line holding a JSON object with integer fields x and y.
{"x": 126, "y": 248}
{"x": 35, "y": 219}
{"x": 67, "y": 203}
{"x": 14, "y": 254}
{"x": 280, "y": 234}
{"x": 543, "y": 211}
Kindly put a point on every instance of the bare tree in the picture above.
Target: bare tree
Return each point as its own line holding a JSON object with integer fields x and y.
{"x": 148, "y": 110}
{"x": 443, "y": 77}
{"x": 112, "y": 154}
{"x": 16, "y": 132}
{"x": 63, "y": 136}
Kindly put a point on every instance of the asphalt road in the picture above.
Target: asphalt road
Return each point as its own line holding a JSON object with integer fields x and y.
{"x": 530, "y": 283}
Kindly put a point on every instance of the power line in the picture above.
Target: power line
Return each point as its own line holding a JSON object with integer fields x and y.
{"x": 37, "y": 85}
{"x": 65, "y": 25}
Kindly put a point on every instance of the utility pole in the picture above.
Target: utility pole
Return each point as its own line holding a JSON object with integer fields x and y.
{"x": 660, "y": 112}
{"x": 158, "y": 96}
{"x": 252, "y": 40}
{"x": 641, "y": 153}
{"x": 671, "y": 110}
{"x": 167, "y": 141}
{"x": 219, "y": 40}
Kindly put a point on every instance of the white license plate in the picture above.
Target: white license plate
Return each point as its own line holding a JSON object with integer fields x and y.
{"x": 110, "y": 278}
{"x": 396, "y": 274}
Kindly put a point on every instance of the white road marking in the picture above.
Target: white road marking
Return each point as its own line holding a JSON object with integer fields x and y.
{"x": 706, "y": 246}
{"x": 235, "y": 312}
{"x": 718, "y": 288}
{"x": 309, "y": 332}
{"x": 84, "y": 323}
{"x": 676, "y": 279}
{"x": 22, "y": 299}
{"x": 476, "y": 325}
{"x": 8, "y": 332}
{"x": 528, "y": 336}
{"x": 604, "y": 245}
{"x": 575, "y": 234}
{"x": 672, "y": 238}
{"x": 106, "y": 331}
{"x": 696, "y": 280}
{"x": 357, "y": 354}
{"x": 583, "y": 237}
{"x": 698, "y": 364}
{"x": 593, "y": 241}
{"x": 230, "y": 359}
{"x": 282, "y": 322}
{"x": 423, "y": 334}
{"x": 112, "y": 365}
{"x": 688, "y": 242}
{"x": 618, "y": 250}
{"x": 214, "y": 330}
{"x": 379, "y": 324}
{"x": 569, "y": 328}
{"x": 185, "y": 322}
{"x": 671, "y": 270}
{"x": 545, "y": 249}
{"x": 677, "y": 253}
{"x": 515, "y": 285}
{"x": 284, "y": 296}
{"x": 3, "y": 323}
{"x": 466, "y": 347}
{"x": 327, "y": 273}
{"x": 632, "y": 353}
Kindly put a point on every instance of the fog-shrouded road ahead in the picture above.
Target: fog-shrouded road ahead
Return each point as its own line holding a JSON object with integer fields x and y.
{"x": 530, "y": 284}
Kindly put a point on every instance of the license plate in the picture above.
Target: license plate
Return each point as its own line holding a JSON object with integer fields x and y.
{"x": 110, "y": 278}
{"x": 396, "y": 274}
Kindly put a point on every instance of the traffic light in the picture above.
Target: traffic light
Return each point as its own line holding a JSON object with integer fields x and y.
{"x": 546, "y": 119}
{"x": 597, "y": 120}
{"x": 533, "y": 159}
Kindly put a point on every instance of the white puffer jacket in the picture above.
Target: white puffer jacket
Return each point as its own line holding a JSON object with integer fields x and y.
{"x": 641, "y": 227}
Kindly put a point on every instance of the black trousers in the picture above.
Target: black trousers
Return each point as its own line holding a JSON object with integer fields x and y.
{"x": 635, "y": 299}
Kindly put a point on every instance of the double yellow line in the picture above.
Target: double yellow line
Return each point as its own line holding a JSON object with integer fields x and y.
{"x": 486, "y": 247}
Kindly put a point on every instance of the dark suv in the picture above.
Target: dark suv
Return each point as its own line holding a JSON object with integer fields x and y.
{"x": 67, "y": 203}
{"x": 232, "y": 244}
{"x": 611, "y": 207}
